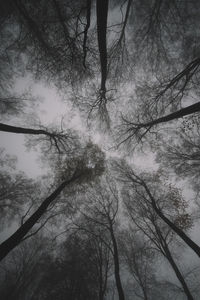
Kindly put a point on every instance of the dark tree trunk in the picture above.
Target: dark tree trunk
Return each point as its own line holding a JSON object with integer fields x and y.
{"x": 178, "y": 231}
{"x": 102, "y": 14}
{"x": 188, "y": 72}
{"x": 18, "y": 236}
{"x": 177, "y": 272}
{"x": 101, "y": 296}
{"x": 173, "y": 116}
{"x": 87, "y": 26}
{"x": 22, "y": 130}
{"x": 116, "y": 265}
{"x": 144, "y": 294}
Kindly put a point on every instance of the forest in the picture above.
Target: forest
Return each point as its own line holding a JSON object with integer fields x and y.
{"x": 99, "y": 150}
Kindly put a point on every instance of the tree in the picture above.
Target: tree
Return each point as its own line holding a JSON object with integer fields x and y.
{"x": 144, "y": 217}
{"x": 102, "y": 209}
{"x": 56, "y": 56}
{"x": 84, "y": 169}
{"x": 131, "y": 70}
{"x": 60, "y": 140}
{"x": 183, "y": 157}
{"x": 16, "y": 189}
{"x": 58, "y": 35}
{"x": 139, "y": 130}
{"x": 139, "y": 259}
{"x": 167, "y": 80}
{"x": 165, "y": 194}
{"x": 101, "y": 244}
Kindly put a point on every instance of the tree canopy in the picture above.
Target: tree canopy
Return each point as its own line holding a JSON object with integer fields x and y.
{"x": 114, "y": 207}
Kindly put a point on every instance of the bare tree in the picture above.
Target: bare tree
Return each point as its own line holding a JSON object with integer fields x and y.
{"x": 16, "y": 189}
{"x": 81, "y": 172}
{"x": 61, "y": 141}
{"x": 138, "y": 131}
{"x": 157, "y": 192}
{"x": 144, "y": 217}
{"x": 100, "y": 245}
{"x": 182, "y": 158}
{"x": 139, "y": 259}
{"x": 102, "y": 209}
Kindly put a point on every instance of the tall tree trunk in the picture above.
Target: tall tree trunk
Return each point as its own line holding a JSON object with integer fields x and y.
{"x": 22, "y": 130}
{"x": 116, "y": 265}
{"x": 18, "y": 236}
{"x": 87, "y": 26}
{"x": 102, "y": 14}
{"x": 178, "y": 231}
{"x": 101, "y": 296}
{"x": 177, "y": 272}
{"x": 191, "y": 109}
{"x": 188, "y": 72}
{"x": 144, "y": 294}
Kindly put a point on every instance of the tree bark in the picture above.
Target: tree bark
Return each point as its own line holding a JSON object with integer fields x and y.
{"x": 88, "y": 17}
{"x": 22, "y": 130}
{"x": 188, "y": 72}
{"x": 116, "y": 265}
{"x": 178, "y": 231}
{"x": 177, "y": 272}
{"x": 17, "y": 237}
{"x": 173, "y": 116}
{"x": 144, "y": 293}
{"x": 102, "y": 14}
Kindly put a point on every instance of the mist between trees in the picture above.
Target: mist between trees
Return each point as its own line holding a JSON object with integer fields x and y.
{"x": 100, "y": 224}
